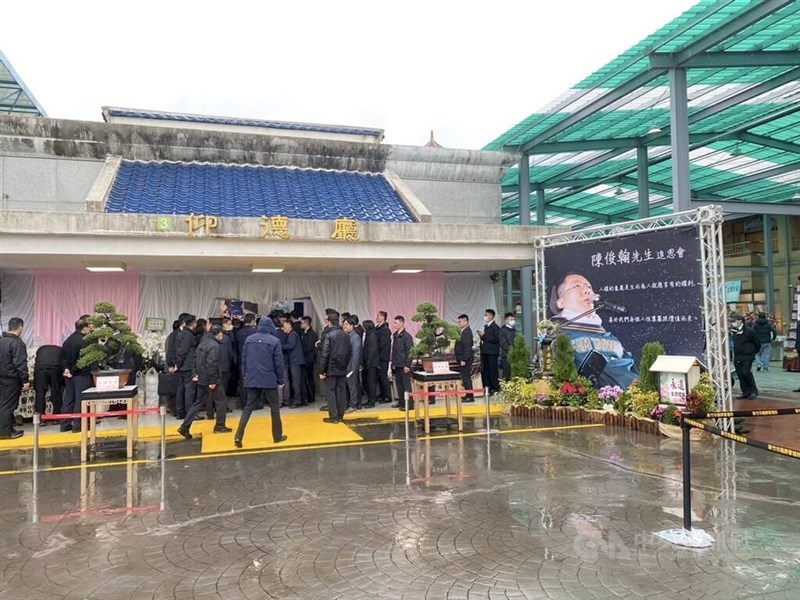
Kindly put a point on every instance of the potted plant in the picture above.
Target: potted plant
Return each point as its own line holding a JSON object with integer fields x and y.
{"x": 435, "y": 336}
{"x": 107, "y": 343}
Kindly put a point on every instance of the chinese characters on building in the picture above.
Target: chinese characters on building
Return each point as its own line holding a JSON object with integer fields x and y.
{"x": 626, "y": 257}
{"x": 275, "y": 227}
{"x": 345, "y": 230}
{"x": 205, "y": 223}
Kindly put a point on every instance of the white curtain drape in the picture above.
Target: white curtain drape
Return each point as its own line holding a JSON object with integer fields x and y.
{"x": 168, "y": 295}
{"x": 17, "y": 291}
{"x": 470, "y": 294}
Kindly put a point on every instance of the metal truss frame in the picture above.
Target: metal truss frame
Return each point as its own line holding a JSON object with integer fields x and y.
{"x": 708, "y": 220}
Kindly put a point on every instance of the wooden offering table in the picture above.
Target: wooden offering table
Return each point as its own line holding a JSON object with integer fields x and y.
{"x": 423, "y": 383}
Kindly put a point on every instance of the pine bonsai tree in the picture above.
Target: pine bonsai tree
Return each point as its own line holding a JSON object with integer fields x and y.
{"x": 435, "y": 334}
{"x": 109, "y": 339}
{"x": 519, "y": 359}
{"x": 564, "y": 369}
{"x": 648, "y": 382}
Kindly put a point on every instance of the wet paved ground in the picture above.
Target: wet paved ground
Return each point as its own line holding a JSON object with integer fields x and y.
{"x": 565, "y": 514}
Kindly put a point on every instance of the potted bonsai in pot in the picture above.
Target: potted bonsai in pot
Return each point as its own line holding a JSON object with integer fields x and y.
{"x": 109, "y": 341}
{"x": 435, "y": 336}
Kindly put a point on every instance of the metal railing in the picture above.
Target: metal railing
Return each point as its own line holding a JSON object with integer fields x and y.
{"x": 737, "y": 249}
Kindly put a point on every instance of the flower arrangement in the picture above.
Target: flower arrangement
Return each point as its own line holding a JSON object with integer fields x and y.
{"x": 154, "y": 352}
{"x": 609, "y": 395}
{"x": 576, "y": 392}
{"x": 702, "y": 397}
{"x": 642, "y": 403}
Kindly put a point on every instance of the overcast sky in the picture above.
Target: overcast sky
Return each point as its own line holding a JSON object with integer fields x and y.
{"x": 468, "y": 71}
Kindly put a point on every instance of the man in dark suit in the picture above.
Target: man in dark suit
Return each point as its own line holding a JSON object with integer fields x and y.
{"x": 308, "y": 339}
{"x": 13, "y": 376}
{"x": 77, "y": 380}
{"x": 464, "y": 355}
{"x": 490, "y": 352}
{"x": 383, "y": 336}
{"x": 402, "y": 343}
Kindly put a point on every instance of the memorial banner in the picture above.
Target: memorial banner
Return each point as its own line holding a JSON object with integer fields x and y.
{"x": 645, "y": 287}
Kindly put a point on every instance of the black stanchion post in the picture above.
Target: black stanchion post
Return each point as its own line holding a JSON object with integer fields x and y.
{"x": 687, "y": 478}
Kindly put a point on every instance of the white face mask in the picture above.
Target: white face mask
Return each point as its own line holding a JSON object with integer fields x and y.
{"x": 511, "y": 322}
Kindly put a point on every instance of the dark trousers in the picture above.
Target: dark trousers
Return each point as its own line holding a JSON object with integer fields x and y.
{"x": 489, "y": 373}
{"x": 402, "y": 381}
{"x": 72, "y": 399}
{"x": 10, "y": 389}
{"x": 383, "y": 381}
{"x": 337, "y": 396}
{"x": 354, "y": 390}
{"x": 216, "y": 396}
{"x": 308, "y": 390}
{"x": 505, "y": 368}
{"x": 744, "y": 371}
{"x": 466, "y": 378}
{"x": 255, "y": 397}
{"x": 208, "y": 400}
{"x": 45, "y": 379}
{"x": 185, "y": 396}
{"x": 295, "y": 384}
{"x": 370, "y": 375}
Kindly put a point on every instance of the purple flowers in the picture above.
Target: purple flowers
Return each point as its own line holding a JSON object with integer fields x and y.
{"x": 610, "y": 394}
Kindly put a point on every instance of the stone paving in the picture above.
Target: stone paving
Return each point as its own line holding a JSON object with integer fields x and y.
{"x": 554, "y": 515}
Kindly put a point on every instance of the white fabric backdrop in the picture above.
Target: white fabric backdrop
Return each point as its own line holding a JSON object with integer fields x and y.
{"x": 17, "y": 293}
{"x": 470, "y": 294}
{"x": 168, "y": 295}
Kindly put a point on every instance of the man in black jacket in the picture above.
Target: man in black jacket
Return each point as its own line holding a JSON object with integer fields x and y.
{"x": 13, "y": 376}
{"x": 335, "y": 359}
{"x": 308, "y": 340}
{"x": 371, "y": 363}
{"x": 48, "y": 375}
{"x": 766, "y": 334}
{"x": 383, "y": 337}
{"x": 77, "y": 380}
{"x": 209, "y": 383}
{"x": 490, "y": 351}
{"x": 465, "y": 355}
{"x": 182, "y": 363}
{"x": 402, "y": 343}
{"x": 745, "y": 346}
{"x": 507, "y": 334}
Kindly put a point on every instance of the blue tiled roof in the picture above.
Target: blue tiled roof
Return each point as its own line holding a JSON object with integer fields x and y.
{"x": 164, "y": 188}
{"x": 189, "y": 118}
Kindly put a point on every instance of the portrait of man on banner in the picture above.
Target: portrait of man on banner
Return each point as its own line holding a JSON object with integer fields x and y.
{"x": 612, "y": 296}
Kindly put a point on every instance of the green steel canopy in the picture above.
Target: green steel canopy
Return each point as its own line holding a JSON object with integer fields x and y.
{"x": 742, "y": 62}
{"x": 15, "y": 97}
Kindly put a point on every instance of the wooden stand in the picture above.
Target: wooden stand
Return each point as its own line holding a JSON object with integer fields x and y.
{"x": 91, "y": 399}
{"x": 441, "y": 382}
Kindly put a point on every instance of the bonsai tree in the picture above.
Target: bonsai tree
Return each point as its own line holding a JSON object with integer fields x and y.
{"x": 519, "y": 359}
{"x": 564, "y": 370}
{"x": 648, "y": 382}
{"x": 435, "y": 335}
{"x": 110, "y": 338}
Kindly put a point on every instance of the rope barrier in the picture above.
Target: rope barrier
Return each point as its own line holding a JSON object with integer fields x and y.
{"x": 743, "y": 439}
{"x": 87, "y": 415}
{"x": 770, "y": 412}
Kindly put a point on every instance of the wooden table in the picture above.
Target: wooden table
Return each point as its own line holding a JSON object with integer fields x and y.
{"x": 421, "y": 382}
{"x": 92, "y": 398}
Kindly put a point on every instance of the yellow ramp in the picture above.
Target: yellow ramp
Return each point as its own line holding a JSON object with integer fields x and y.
{"x": 301, "y": 430}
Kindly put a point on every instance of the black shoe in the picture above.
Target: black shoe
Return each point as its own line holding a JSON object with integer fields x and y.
{"x": 331, "y": 420}
{"x": 65, "y": 429}
{"x": 11, "y": 436}
{"x": 797, "y": 390}
{"x": 743, "y": 397}
{"x": 283, "y": 439}
{"x": 369, "y": 405}
{"x": 384, "y": 401}
{"x": 237, "y": 443}
{"x": 222, "y": 429}
{"x": 184, "y": 431}
{"x": 753, "y": 396}
{"x": 323, "y": 408}
{"x": 397, "y": 405}
{"x": 468, "y": 400}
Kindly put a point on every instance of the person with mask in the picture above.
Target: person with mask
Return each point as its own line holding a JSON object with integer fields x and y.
{"x": 13, "y": 376}
{"x": 507, "y": 334}
{"x": 599, "y": 355}
{"x": 402, "y": 343}
{"x": 766, "y": 334}
{"x": 77, "y": 380}
{"x": 353, "y": 377}
{"x": 465, "y": 355}
{"x": 490, "y": 352}
{"x": 308, "y": 340}
{"x": 263, "y": 371}
{"x": 745, "y": 346}
{"x": 209, "y": 383}
{"x": 183, "y": 356}
{"x": 294, "y": 359}
{"x": 335, "y": 361}
{"x": 383, "y": 337}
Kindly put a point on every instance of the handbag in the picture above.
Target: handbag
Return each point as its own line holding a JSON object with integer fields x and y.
{"x": 167, "y": 384}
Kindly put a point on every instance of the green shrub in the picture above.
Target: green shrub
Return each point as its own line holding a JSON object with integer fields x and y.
{"x": 671, "y": 415}
{"x": 642, "y": 403}
{"x": 564, "y": 369}
{"x": 648, "y": 381}
{"x": 519, "y": 359}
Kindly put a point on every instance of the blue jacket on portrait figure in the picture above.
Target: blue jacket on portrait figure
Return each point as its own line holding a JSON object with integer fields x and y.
{"x": 620, "y": 369}
{"x": 262, "y": 358}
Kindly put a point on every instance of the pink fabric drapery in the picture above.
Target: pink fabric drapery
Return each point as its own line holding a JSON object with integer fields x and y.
{"x": 400, "y": 295}
{"x": 60, "y": 298}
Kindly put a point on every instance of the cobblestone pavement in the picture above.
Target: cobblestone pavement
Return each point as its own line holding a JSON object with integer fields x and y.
{"x": 555, "y": 515}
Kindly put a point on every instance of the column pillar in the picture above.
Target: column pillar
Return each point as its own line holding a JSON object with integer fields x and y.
{"x": 540, "y": 207}
{"x": 643, "y": 181}
{"x": 769, "y": 276}
{"x": 679, "y": 139}
{"x": 526, "y": 273}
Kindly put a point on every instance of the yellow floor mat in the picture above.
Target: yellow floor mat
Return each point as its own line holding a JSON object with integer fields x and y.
{"x": 301, "y": 430}
{"x": 436, "y": 412}
{"x": 48, "y": 440}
